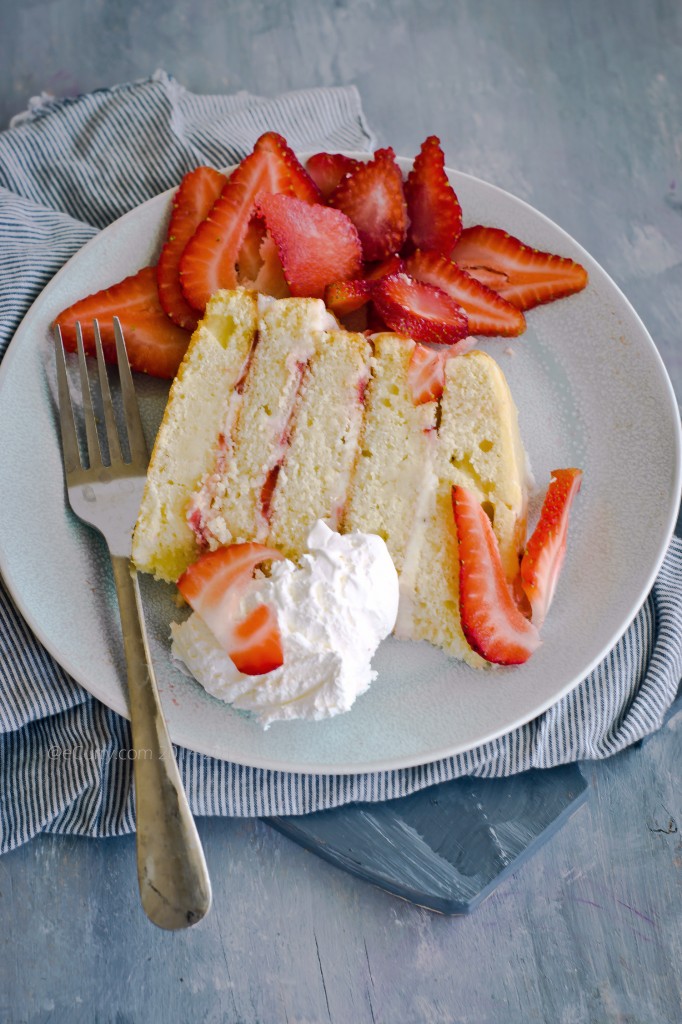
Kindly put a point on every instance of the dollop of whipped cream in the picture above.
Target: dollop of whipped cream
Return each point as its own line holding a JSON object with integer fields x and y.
{"x": 332, "y": 611}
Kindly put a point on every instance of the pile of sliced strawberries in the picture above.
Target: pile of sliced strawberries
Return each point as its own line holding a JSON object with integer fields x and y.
{"x": 501, "y": 627}
{"x": 383, "y": 251}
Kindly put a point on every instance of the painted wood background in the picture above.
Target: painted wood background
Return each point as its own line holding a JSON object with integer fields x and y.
{"x": 577, "y": 108}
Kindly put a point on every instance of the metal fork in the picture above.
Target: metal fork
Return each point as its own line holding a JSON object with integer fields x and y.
{"x": 174, "y": 885}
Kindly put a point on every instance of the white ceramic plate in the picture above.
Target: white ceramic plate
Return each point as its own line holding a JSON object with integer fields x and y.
{"x": 592, "y": 392}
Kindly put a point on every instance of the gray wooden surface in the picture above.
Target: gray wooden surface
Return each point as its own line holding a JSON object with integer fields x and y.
{"x": 575, "y": 107}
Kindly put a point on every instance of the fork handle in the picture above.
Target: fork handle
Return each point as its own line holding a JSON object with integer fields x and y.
{"x": 174, "y": 884}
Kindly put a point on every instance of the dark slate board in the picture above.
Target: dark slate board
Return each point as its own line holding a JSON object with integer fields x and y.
{"x": 447, "y": 847}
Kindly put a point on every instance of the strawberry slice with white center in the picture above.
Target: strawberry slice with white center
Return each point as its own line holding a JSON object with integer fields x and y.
{"x": 372, "y": 196}
{"x": 214, "y": 587}
{"x": 545, "y": 551}
{"x": 192, "y": 203}
{"x": 419, "y": 310}
{"x": 210, "y": 257}
{"x": 433, "y": 208}
{"x": 492, "y": 623}
{"x": 524, "y": 276}
{"x": 488, "y": 313}
{"x": 317, "y": 245}
{"x": 155, "y": 345}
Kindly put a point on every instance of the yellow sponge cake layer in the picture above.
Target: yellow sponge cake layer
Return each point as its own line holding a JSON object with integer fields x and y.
{"x": 313, "y": 480}
{"x": 286, "y": 342}
{"x": 393, "y": 463}
{"x": 185, "y": 447}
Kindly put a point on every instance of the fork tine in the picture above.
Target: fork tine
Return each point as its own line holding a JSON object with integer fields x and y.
{"x": 94, "y": 454}
{"x": 115, "y": 456}
{"x": 138, "y": 445}
{"x": 70, "y": 450}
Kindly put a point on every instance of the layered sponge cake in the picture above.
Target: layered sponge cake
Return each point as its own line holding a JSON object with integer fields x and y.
{"x": 278, "y": 418}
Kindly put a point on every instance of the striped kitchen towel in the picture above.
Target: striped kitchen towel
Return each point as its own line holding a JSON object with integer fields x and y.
{"x": 65, "y": 172}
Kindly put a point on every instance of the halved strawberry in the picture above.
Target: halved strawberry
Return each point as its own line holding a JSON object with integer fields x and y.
{"x": 317, "y": 245}
{"x": 214, "y": 585}
{"x": 209, "y": 260}
{"x": 488, "y": 312}
{"x": 419, "y": 310}
{"x": 545, "y": 551}
{"x": 344, "y": 297}
{"x": 426, "y": 373}
{"x": 196, "y": 195}
{"x": 432, "y": 206}
{"x": 525, "y": 277}
{"x": 491, "y": 622}
{"x": 329, "y": 169}
{"x": 154, "y": 343}
{"x": 372, "y": 196}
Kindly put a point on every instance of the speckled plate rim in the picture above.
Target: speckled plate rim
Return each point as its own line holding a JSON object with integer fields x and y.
{"x": 479, "y": 734}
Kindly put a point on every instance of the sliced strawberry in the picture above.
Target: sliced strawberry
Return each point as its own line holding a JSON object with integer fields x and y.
{"x": 395, "y": 264}
{"x": 432, "y": 206}
{"x": 545, "y": 551}
{"x": 491, "y": 622}
{"x": 209, "y": 260}
{"x": 426, "y": 373}
{"x": 214, "y": 586}
{"x": 372, "y": 196}
{"x": 487, "y": 311}
{"x": 154, "y": 343}
{"x": 329, "y": 169}
{"x": 344, "y": 297}
{"x": 300, "y": 182}
{"x": 317, "y": 245}
{"x": 525, "y": 277}
{"x": 196, "y": 195}
{"x": 419, "y": 310}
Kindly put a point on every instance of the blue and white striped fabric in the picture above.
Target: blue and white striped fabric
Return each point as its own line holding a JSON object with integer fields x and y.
{"x": 67, "y": 169}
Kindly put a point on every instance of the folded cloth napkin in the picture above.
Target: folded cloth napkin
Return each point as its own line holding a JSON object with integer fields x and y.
{"x": 67, "y": 169}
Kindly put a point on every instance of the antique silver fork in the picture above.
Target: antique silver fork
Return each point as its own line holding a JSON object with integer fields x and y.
{"x": 174, "y": 885}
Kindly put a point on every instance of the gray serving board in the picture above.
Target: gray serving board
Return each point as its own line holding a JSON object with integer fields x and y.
{"x": 446, "y": 847}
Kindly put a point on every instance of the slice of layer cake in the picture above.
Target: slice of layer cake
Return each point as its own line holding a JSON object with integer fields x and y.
{"x": 194, "y": 427}
{"x": 232, "y": 503}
